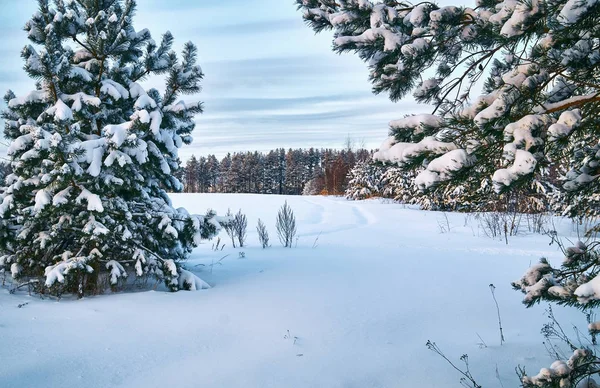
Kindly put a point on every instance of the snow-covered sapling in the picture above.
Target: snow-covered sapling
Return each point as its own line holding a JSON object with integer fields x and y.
{"x": 286, "y": 225}
{"x": 365, "y": 181}
{"x": 263, "y": 234}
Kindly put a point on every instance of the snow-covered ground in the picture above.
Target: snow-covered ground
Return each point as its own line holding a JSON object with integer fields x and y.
{"x": 351, "y": 306}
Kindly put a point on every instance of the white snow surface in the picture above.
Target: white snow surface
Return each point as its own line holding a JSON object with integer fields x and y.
{"x": 355, "y": 310}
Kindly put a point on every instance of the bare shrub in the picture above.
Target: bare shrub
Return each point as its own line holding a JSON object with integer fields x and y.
{"x": 239, "y": 226}
{"x": 444, "y": 224}
{"x": 286, "y": 225}
{"x": 499, "y": 224}
{"x": 537, "y": 222}
{"x": 218, "y": 246}
{"x": 229, "y": 227}
{"x": 263, "y": 234}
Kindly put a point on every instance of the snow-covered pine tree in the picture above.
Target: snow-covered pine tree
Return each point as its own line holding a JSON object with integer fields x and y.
{"x": 528, "y": 53}
{"x": 5, "y": 170}
{"x": 93, "y": 153}
{"x": 365, "y": 181}
{"x": 397, "y": 184}
{"x": 540, "y": 63}
{"x": 374, "y": 179}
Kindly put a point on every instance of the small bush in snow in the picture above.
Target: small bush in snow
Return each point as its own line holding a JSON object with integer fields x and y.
{"x": 229, "y": 227}
{"x": 239, "y": 226}
{"x": 500, "y": 224}
{"x": 537, "y": 222}
{"x": 218, "y": 246}
{"x": 263, "y": 234}
{"x": 286, "y": 225}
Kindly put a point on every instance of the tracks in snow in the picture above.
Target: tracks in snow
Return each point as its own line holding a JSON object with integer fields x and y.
{"x": 338, "y": 216}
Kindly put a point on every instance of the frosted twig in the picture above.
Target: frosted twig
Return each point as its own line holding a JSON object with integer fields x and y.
{"x": 315, "y": 244}
{"x": 482, "y": 344}
{"x": 493, "y": 289}
{"x": 467, "y": 380}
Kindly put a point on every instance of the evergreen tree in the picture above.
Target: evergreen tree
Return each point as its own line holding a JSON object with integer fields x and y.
{"x": 294, "y": 172}
{"x": 533, "y": 97}
{"x": 225, "y": 178}
{"x": 257, "y": 167}
{"x": 201, "y": 175}
{"x": 235, "y": 174}
{"x": 540, "y": 63}
{"x": 93, "y": 153}
{"x": 280, "y": 171}
{"x": 254, "y": 172}
{"x": 365, "y": 181}
{"x": 398, "y": 184}
{"x": 270, "y": 173}
{"x": 5, "y": 170}
{"x": 212, "y": 169}
{"x": 191, "y": 175}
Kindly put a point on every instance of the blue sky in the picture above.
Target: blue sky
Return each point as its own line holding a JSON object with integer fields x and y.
{"x": 269, "y": 80}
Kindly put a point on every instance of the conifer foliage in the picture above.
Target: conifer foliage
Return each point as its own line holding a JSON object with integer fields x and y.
{"x": 540, "y": 63}
{"x": 93, "y": 153}
{"x": 365, "y": 181}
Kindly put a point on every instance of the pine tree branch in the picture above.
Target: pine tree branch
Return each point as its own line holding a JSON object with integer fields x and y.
{"x": 570, "y": 103}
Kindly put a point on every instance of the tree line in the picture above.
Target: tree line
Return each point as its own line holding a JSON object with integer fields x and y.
{"x": 292, "y": 172}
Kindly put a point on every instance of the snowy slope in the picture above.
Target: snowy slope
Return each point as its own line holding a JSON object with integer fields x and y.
{"x": 379, "y": 283}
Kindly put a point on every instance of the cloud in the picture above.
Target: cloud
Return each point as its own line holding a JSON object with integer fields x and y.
{"x": 249, "y": 28}
{"x": 269, "y": 81}
{"x": 277, "y": 77}
{"x": 187, "y": 5}
{"x": 225, "y": 105}
{"x": 318, "y": 121}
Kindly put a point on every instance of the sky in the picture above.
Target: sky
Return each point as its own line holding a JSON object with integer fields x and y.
{"x": 269, "y": 82}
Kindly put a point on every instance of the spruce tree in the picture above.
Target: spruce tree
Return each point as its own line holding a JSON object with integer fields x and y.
{"x": 93, "y": 153}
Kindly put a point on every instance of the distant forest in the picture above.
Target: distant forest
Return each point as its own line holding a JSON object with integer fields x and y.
{"x": 293, "y": 172}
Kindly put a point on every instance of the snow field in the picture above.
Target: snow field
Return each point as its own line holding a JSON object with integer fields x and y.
{"x": 354, "y": 311}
